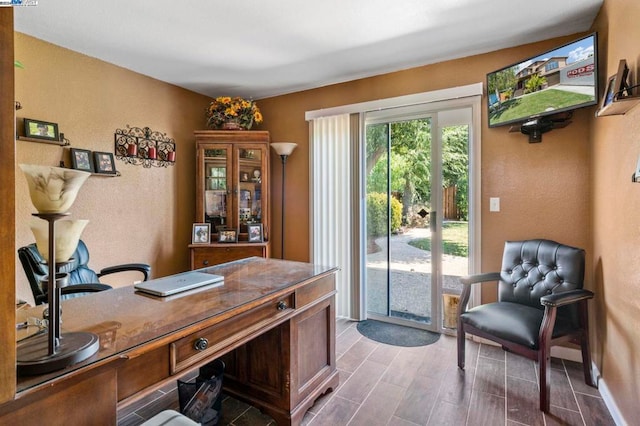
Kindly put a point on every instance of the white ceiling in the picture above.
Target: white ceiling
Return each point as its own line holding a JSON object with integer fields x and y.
{"x": 262, "y": 48}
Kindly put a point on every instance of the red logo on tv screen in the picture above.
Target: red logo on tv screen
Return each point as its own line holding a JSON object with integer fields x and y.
{"x": 581, "y": 72}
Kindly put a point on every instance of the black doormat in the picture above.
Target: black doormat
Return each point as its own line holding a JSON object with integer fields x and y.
{"x": 396, "y": 335}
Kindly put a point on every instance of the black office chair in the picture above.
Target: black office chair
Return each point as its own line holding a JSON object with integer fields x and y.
{"x": 82, "y": 279}
{"x": 541, "y": 303}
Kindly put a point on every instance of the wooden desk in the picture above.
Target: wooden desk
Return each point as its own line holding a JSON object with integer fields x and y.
{"x": 273, "y": 321}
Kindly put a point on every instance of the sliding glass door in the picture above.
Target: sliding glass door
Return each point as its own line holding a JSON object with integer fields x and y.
{"x": 416, "y": 186}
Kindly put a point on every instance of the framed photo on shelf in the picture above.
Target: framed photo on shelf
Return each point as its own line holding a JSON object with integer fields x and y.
{"x": 81, "y": 160}
{"x": 255, "y": 232}
{"x": 41, "y": 130}
{"x": 201, "y": 233}
{"x": 226, "y": 235}
{"x": 104, "y": 162}
{"x": 616, "y": 85}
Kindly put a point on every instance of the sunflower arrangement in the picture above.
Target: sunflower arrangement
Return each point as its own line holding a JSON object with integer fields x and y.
{"x": 225, "y": 109}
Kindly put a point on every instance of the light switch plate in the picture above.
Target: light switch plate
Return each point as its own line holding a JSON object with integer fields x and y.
{"x": 494, "y": 204}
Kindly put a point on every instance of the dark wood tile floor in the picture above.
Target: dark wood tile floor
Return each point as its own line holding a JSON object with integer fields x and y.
{"x": 389, "y": 385}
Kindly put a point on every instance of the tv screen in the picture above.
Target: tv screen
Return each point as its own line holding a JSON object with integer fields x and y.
{"x": 556, "y": 81}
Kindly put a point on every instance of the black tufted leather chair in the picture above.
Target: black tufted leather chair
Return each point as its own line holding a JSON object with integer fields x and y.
{"x": 82, "y": 279}
{"x": 541, "y": 303}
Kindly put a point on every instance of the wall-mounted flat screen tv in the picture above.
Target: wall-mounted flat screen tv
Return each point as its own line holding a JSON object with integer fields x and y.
{"x": 558, "y": 80}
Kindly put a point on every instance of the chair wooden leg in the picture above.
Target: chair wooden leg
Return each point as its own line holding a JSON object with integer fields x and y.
{"x": 544, "y": 359}
{"x": 544, "y": 356}
{"x": 584, "y": 344}
{"x": 461, "y": 345}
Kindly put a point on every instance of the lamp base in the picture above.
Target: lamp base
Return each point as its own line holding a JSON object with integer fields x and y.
{"x": 33, "y": 356}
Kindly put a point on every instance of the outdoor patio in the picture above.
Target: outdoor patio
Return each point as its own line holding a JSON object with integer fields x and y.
{"x": 410, "y": 276}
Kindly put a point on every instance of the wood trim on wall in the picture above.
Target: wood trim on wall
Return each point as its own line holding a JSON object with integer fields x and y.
{"x": 7, "y": 209}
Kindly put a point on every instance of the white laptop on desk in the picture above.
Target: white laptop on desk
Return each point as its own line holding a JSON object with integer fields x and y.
{"x": 173, "y": 284}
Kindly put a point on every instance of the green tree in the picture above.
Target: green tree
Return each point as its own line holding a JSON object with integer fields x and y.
{"x": 502, "y": 81}
{"x": 534, "y": 83}
{"x": 377, "y": 214}
{"x": 410, "y": 161}
{"x": 410, "y": 143}
{"x": 455, "y": 165}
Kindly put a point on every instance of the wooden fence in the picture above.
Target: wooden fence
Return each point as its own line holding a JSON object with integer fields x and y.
{"x": 449, "y": 203}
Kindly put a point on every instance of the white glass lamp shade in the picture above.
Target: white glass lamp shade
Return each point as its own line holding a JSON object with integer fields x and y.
{"x": 284, "y": 148}
{"x": 67, "y": 235}
{"x": 53, "y": 189}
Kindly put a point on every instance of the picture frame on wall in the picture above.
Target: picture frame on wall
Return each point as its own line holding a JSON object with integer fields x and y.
{"x": 103, "y": 162}
{"x": 201, "y": 233}
{"x": 254, "y": 230}
{"x": 81, "y": 159}
{"x": 616, "y": 85}
{"x": 44, "y": 130}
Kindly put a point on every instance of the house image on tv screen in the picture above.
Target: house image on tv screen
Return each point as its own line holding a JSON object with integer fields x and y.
{"x": 554, "y": 72}
{"x": 559, "y": 80}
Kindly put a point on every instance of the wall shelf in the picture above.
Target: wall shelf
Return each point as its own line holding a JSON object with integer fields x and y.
{"x": 116, "y": 174}
{"x": 46, "y": 142}
{"x": 619, "y": 106}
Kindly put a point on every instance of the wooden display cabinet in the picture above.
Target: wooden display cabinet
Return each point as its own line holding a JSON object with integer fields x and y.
{"x": 232, "y": 193}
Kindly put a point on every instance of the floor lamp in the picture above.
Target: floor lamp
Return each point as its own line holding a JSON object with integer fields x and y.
{"x": 284, "y": 150}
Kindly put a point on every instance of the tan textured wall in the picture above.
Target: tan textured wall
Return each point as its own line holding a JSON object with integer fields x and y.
{"x": 543, "y": 187}
{"x": 145, "y": 215}
{"x": 615, "y": 146}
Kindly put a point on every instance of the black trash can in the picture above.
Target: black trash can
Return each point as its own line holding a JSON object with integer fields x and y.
{"x": 201, "y": 399}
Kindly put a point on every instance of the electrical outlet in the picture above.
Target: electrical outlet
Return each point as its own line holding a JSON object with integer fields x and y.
{"x": 494, "y": 204}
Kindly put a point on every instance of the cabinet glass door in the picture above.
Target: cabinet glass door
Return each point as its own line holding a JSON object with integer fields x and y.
{"x": 216, "y": 188}
{"x": 250, "y": 169}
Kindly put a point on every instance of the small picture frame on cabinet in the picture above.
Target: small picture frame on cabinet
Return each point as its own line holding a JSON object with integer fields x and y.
{"x": 201, "y": 233}
{"x": 255, "y": 232}
{"x": 227, "y": 235}
{"x": 81, "y": 160}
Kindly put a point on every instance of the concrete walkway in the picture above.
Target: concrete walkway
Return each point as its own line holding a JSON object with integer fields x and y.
{"x": 410, "y": 270}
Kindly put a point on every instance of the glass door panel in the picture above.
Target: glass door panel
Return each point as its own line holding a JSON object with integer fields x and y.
{"x": 455, "y": 218}
{"x": 398, "y": 260}
{"x": 250, "y": 161}
{"x": 216, "y": 202}
{"x": 377, "y": 188}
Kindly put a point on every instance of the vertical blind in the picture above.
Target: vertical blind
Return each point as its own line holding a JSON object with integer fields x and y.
{"x": 331, "y": 209}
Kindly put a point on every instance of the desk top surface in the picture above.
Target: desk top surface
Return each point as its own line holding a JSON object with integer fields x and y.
{"x": 125, "y": 319}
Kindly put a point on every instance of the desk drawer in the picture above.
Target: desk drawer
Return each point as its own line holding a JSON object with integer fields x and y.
{"x": 212, "y": 340}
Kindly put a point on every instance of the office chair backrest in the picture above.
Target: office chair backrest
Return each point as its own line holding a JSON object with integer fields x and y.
{"x": 36, "y": 269}
{"x": 534, "y": 268}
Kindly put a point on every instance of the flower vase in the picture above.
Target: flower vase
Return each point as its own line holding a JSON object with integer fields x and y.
{"x": 231, "y": 125}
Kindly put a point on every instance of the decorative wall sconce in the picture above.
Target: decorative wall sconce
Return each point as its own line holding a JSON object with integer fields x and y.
{"x": 135, "y": 145}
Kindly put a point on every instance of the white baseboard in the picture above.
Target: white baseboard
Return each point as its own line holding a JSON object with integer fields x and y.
{"x": 607, "y": 397}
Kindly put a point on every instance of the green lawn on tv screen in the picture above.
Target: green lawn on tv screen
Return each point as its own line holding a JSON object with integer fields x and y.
{"x": 536, "y": 103}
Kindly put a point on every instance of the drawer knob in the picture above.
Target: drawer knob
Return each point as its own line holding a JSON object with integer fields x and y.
{"x": 282, "y": 305}
{"x": 205, "y": 262}
{"x": 200, "y": 344}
